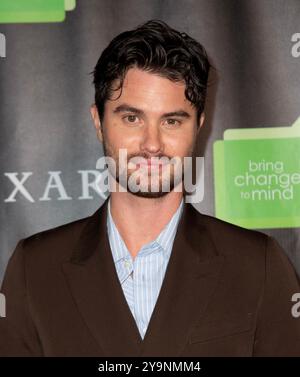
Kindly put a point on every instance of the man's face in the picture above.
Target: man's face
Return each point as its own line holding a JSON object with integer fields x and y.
{"x": 151, "y": 118}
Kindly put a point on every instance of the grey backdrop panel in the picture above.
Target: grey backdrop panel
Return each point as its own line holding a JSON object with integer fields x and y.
{"x": 46, "y": 91}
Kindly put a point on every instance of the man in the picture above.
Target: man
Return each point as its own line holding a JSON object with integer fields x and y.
{"x": 147, "y": 274}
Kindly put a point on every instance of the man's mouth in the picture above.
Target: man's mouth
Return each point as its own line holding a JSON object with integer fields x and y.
{"x": 151, "y": 162}
{"x": 148, "y": 163}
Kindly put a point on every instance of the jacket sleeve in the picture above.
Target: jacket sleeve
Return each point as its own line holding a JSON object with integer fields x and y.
{"x": 278, "y": 331}
{"x": 18, "y": 335}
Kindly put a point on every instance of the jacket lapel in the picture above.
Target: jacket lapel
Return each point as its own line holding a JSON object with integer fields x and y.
{"x": 95, "y": 286}
{"x": 190, "y": 280}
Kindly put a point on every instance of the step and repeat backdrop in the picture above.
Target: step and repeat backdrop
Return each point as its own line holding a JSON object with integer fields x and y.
{"x": 250, "y": 140}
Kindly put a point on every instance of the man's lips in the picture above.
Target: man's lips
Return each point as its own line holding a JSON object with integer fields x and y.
{"x": 148, "y": 163}
{"x": 151, "y": 163}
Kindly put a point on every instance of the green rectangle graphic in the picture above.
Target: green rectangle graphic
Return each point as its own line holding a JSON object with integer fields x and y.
{"x": 257, "y": 180}
{"x": 23, "y": 11}
{"x": 70, "y": 4}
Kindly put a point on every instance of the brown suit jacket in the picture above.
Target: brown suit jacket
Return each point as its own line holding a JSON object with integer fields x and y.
{"x": 227, "y": 292}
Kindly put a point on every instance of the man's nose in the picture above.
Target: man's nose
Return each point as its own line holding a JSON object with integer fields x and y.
{"x": 152, "y": 141}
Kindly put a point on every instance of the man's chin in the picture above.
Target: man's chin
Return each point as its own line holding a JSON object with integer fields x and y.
{"x": 150, "y": 194}
{"x": 145, "y": 190}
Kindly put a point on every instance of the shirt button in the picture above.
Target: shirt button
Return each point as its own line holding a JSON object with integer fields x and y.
{"x": 127, "y": 263}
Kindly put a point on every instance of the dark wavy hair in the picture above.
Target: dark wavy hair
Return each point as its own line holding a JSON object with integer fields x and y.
{"x": 157, "y": 48}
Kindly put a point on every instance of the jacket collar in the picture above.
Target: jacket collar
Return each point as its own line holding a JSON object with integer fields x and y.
{"x": 190, "y": 280}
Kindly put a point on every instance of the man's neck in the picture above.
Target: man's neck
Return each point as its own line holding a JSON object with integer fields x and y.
{"x": 140, "y": 220}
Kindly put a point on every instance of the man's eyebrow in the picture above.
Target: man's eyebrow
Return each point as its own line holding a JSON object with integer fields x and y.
{"x": 178, "y": 113}
{"x": 127, "y": 108}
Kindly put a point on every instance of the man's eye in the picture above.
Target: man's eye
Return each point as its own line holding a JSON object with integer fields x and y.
{"x": 131, "y": 118}
{"x": 172, "y": 122}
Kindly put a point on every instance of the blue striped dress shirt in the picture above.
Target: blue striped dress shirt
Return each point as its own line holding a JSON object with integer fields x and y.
{"x": 141, "y": 278}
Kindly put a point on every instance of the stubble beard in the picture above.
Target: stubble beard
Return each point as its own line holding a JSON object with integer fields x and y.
{"x": 173, "y": 179}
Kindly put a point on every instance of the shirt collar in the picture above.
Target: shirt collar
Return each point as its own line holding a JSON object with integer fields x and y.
{"x": 164, "y": 240}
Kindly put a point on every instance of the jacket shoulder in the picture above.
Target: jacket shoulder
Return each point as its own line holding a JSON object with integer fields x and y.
{"x": 233, "y": 239}
{"x": 56, "y": 243}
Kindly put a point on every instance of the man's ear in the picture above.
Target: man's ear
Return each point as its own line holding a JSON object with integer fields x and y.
{"x": 201, "y": 121}
{"x": 96, "y": 120}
